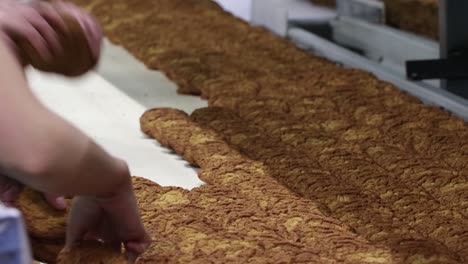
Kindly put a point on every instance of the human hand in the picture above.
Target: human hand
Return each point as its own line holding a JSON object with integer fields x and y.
{"x": 55, "y": 37}
{"x": 89, "y": 25}
{"x": 10, "y": 189}
{"x": 113, "y": 218}
{"x": 24, "y": 21}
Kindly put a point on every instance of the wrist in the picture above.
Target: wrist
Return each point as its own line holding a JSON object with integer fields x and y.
{"x": 119, "y": 198}
{"x": 117, "y": 195}
{"x": 122, "y": 182}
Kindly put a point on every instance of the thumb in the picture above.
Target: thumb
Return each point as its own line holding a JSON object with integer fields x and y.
{"x": 135, "y": 249}
{"x": 58, "y": 202}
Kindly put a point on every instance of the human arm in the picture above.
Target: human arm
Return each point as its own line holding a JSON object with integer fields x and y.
{"x": 35, "y": 141}
{"x": 41, "y": 150}
{"x": 31, "y": 32}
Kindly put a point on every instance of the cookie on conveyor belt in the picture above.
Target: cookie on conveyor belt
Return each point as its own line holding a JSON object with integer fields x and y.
{"x": 275, "y": 165}
{"x": 91, "y": 253}
{"x": 76, "y": 58}
{"x": 42, "y": 220}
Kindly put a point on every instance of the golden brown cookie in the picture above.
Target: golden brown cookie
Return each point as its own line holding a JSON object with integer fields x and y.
{"x": 290, "y": 166}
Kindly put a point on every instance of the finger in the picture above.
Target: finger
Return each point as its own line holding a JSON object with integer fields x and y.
{"x": 133, "y": 250}
{"x": 52, "y": 15}
{"x": 33, "y": 29}
{"x": 136, "y": 248}
{"x": 96, "y": 233}
{"x": 66, "y": 8}
{"x": 84, "y": 217}
{"x": 109, "y": 235}
{"x": 58, "y": 202}
{"x": 46, "y": 31}
{"x": 89, "y": 25}
{"x": 94, "y": 36}
{"x": 9, "y": 190}
{"x": 24, "y": 30}
{"x": 75, "y": 234}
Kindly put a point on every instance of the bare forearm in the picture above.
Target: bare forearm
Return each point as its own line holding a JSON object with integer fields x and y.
{"x": 69, "y": 162}
{"x": 42, "y": 150}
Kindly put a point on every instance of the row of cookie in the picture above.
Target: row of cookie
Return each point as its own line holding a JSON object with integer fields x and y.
{"x": 257, "y": 205}
{"x": 382, "y": 197}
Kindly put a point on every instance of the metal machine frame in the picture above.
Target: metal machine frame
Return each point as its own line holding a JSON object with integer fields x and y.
{"x": 452, "y": 66}
{"x": 454, "y": 37}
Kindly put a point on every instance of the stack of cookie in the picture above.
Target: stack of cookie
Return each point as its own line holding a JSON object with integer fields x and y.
{"x": 306, "y": 161}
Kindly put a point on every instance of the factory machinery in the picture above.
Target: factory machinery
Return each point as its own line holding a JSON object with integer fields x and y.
{"x": 356, "y": 35}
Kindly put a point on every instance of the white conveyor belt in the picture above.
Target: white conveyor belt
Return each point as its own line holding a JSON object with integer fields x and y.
{"x": 109, "y": 112}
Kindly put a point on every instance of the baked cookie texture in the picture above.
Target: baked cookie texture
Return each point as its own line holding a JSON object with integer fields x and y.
{"x": 341, "y": 185}
{"x": 418, "y": 16}
{"x": 304, "y": 161}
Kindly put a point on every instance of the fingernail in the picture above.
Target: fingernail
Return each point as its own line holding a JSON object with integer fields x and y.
{"x": 61, "y": 203}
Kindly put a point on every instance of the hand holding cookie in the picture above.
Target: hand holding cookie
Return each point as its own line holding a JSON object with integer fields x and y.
{"x": 19, "y": 21}
{"x": 113, "y": 219}
{"x": 53, "y": 37}
{"x": 81, "y": 39}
